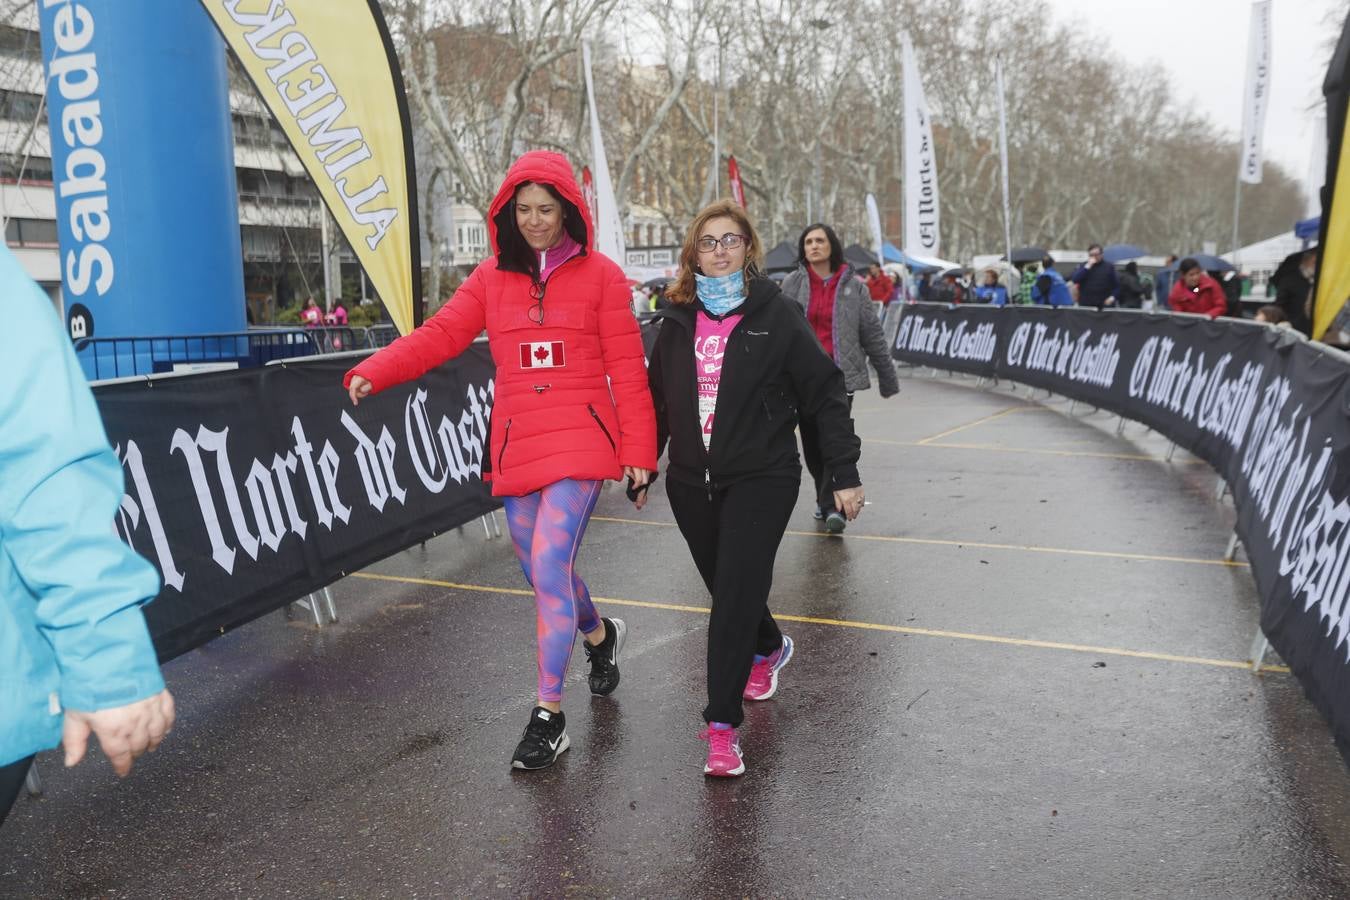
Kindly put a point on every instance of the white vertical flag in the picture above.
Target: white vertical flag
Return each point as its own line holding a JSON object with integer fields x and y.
{"x": 1257, "y": 96}
{"x": 921, "y": 186}
{"x": 874, "y": 220}
{"x": 608, "y": 228}
{"x": 1317, "y": 167}
{"x": 1003, "y": 156}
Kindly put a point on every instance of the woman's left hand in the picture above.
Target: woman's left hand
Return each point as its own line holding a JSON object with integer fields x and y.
{"x": 849, "y": 501}
{"x": 640, "y": 478}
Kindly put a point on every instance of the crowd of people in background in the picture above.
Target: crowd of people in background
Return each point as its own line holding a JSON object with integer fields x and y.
{"x": 1180, "y": 285}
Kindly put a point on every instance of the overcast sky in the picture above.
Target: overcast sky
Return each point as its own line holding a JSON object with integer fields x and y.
{"x": 1203, "y": 46}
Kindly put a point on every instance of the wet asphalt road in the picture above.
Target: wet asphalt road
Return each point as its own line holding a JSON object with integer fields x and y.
{"x": 959, "y": 720}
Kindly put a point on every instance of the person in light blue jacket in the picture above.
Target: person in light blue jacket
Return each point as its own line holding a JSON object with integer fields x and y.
{"x": 75, "y": 653}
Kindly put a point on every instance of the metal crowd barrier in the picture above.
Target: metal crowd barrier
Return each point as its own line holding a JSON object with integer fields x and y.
{"x": 378, "y": 336}
{"x": 337, "y": 338}
{"x": 120, "y": 357}
{"x": 106, "y": 359}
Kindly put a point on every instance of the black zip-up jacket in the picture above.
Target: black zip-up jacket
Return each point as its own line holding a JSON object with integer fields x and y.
{"x": 774, "y": 371}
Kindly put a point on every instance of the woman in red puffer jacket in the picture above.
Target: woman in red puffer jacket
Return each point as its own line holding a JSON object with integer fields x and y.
{"x": 572, "y": 407}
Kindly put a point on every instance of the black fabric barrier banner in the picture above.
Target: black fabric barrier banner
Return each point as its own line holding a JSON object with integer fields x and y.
{"x": 249, "y": 489}
{"x": 1269, "y": 412}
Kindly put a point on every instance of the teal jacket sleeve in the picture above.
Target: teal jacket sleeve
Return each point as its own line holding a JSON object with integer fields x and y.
{"x": 61, "y": 487}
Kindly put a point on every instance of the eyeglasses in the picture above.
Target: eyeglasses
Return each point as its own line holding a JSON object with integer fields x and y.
{"x": 536, "y": 312}
{"x": 729, "y": 241}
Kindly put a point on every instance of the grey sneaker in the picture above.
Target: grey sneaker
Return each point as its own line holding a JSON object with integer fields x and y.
{"x": 835, "y": 522}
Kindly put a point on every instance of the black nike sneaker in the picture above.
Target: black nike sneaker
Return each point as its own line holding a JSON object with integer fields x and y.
{"x": 544, "y": 740}
{"x": 604, "y": 657}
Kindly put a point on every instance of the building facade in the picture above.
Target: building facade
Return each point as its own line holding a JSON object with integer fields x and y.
{"x": 281, "y": 217}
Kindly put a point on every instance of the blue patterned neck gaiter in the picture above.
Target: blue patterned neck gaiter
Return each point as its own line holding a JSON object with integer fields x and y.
{"x": 722, "y": 294}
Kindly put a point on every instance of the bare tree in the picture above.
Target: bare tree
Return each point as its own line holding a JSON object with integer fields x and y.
{"x": 481, "y": 74}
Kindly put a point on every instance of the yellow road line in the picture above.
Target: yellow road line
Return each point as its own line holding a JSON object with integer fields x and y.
{"x": 976, "y": 545}
{"x": 1087, "y": 454}
{"x": 867, "y": 626}
{"x": 989, "y": 418}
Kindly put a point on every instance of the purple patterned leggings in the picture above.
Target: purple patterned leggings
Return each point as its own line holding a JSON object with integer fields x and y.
{"x": 546, "y": 528}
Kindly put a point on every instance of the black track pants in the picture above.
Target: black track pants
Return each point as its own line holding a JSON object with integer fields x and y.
{"x": 734, "y": 537}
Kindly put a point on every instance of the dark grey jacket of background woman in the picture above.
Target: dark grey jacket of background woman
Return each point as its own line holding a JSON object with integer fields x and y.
{"x": 857, "y": 330}
{"x": 1131, "y": 290}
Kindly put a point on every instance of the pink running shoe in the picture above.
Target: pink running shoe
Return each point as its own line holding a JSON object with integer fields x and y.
{"x": 724, "y": 752}
{"x": 763, "y": 680}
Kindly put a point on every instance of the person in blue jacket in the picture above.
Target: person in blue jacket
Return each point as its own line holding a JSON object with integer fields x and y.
{"x": 1049, "y": 287}
{"x": 75, "y": 652}
{"x": 991, "y": 291}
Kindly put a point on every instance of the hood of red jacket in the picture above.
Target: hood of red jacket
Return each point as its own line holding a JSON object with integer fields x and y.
{"x": 540, "y": 167}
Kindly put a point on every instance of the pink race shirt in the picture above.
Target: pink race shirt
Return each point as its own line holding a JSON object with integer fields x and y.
{"x": 710, "y": 347}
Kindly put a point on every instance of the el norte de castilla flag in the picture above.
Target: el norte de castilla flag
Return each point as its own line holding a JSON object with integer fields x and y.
{"x": 328, "y": 71}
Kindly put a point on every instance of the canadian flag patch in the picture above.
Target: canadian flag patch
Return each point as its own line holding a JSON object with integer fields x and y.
{"x": 542, "y": 355}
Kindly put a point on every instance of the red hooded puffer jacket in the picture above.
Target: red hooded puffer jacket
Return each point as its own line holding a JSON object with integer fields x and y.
{"x": 555, "y": 415}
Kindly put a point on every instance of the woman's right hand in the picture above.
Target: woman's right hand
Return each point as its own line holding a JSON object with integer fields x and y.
{"x": 358, "y": 388}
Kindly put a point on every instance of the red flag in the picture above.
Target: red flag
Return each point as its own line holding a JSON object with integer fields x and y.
{"x": 588, "y": 192}
{"x": 734, "y": 176}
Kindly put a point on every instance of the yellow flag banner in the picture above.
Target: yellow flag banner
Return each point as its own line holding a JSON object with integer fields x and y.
{"x": 1333, "y": 255}
{"x": 328, "y": 71}
{"x": 1333, "y": 271}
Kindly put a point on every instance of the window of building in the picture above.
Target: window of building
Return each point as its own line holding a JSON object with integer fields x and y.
{"x": 30, "y": 233}
{"x": 18, "y": 41}
{"x": 19, "y": 106}
{"x": 37, "y": 171}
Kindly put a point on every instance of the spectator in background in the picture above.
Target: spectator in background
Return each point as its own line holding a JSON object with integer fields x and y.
{"x": 1271, "y": 314}
{"x": 948, "y": 290}
{"x": 311, "y": 316}
{"x": 991, "y": 291}
{"x": 75, "y": 654}
{"x": 1231, "y": 282}
{"x": 1196, "y": 292}
{"x": 1293, "y": 290}
{"x": 1146, "y": 290}
{"x": 1027, "y": 284}
{"x": 1097, "y": 283}
{"x": 1131, "y": 288}
{"x": 1162, "y": 283}
{"x": 1049, "y": 288}
{"x": 924, "y": 288}
{"x": 879, "y": 285}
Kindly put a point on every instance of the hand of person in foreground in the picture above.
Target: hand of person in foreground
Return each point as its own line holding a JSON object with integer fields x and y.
{"x": 849, "y": 501}
{"x": 640, "y": 479}
{"x": 357, "y": 389}
{"x": 124, "y": 732}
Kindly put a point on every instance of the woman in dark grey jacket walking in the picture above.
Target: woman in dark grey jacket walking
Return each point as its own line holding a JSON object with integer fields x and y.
{"x": 839, "y": 309}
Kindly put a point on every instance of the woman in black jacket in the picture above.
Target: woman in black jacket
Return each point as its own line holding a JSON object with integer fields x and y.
{"x": 733, "y": 368}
